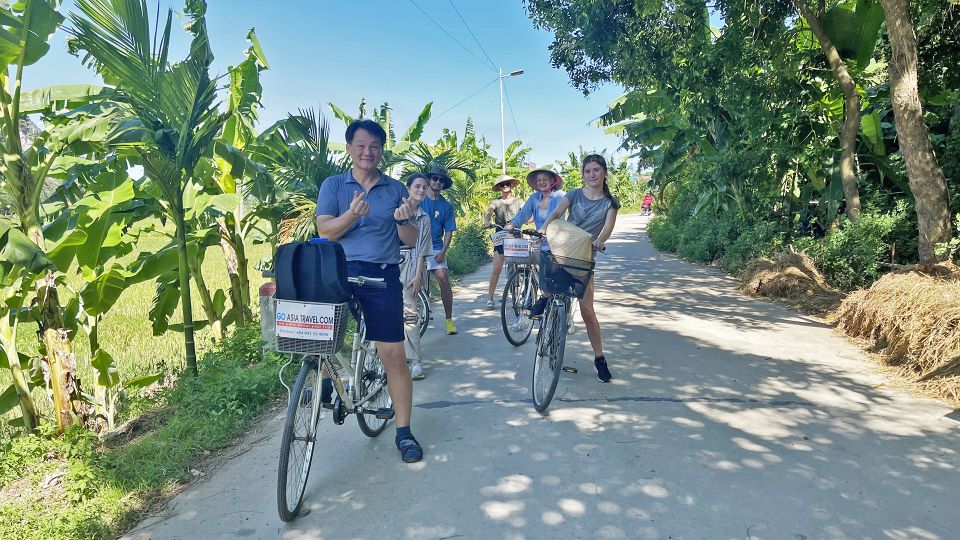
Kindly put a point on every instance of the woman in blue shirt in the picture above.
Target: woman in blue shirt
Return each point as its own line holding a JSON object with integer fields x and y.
{"x": 542, "y": 203}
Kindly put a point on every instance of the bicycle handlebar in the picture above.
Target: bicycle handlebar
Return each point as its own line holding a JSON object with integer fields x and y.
{"x": 363, "y": 281}
{"x": 516, "y": 232}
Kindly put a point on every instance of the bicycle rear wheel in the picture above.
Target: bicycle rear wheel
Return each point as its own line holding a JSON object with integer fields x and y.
{"x": 423, "y": 311}
{"x": 548, "y": 362}
{"x": 371, "y": 375}
{"x": 518, "y": 297}
{"x": 299, "y": 438}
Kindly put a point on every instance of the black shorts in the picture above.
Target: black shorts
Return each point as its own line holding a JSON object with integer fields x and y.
{"x": 382, "y": 308}
{"x": 498, "y": 249}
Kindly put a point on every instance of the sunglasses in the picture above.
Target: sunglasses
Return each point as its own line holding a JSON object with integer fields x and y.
{"x": 436, "y": 179}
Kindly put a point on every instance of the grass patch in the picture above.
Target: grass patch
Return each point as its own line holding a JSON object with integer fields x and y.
{"x": 76, "y": 487}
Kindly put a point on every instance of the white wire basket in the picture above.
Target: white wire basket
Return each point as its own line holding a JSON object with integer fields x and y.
{"x": 309, "y": 327}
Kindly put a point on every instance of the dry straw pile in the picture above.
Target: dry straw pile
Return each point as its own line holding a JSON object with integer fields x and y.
{"x": 913, "y": 320}
{"x": 790, "y": 277}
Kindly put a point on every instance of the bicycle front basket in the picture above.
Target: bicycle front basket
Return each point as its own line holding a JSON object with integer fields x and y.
{"x": 565, "y": 275}
{"x": 521, "y": 251}
{"x": 310, "y": 327}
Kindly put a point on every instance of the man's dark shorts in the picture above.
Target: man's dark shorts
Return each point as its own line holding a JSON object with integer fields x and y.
{"x": 498, "y": 249}
{"x": 382, "y": 308}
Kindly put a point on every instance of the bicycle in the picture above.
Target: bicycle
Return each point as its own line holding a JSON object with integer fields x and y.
{"x": 423, "y": 296}
{"x": 522, "y": 287}
{"x": 565, "y": 278}
{"x": 315, "y": 332}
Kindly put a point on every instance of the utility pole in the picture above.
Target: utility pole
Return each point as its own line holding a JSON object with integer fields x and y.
{"x": 503, "y": 144}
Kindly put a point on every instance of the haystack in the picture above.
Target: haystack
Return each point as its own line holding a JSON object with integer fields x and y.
{"x": 790, "y": 277}
{"x": 913, "y": 320}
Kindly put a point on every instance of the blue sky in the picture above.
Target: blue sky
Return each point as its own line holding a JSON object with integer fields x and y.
{"x": 387, "y": 50}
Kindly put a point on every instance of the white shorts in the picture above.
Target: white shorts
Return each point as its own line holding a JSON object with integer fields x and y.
{"x": 432, "y": 263}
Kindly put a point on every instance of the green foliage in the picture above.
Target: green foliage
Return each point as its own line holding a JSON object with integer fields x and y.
{"x": 715, "y": 239}
{"x": 470, "y": 248}
{"x": 105, "y": 489}
{"x": 952, "y": 248}
{"x": 851, "y": 255}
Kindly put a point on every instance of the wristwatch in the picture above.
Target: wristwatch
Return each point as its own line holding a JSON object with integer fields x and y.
{"x": 402, "y": 221}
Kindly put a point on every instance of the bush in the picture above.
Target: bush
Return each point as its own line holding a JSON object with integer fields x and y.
{"x": 469, "y": 250}
{"x": 851, "y": 255}
{"x": 715, "y": 238}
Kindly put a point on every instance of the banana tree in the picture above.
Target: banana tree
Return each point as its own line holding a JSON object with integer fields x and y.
{"x": 27, "y": 159}
{"x": 172, "y": 107}
{"x": 847, "y": 34}
{"x": 229, "y": 178}
{"x": 111, "y": 214}
{"x": 20, "y": 260}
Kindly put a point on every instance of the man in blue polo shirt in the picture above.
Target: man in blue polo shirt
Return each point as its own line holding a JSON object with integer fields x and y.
{"x": 368, "y": 213}
{"x": 442, "y": 225}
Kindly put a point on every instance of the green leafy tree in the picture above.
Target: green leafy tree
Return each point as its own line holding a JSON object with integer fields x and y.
{"x": 172, "y": 108}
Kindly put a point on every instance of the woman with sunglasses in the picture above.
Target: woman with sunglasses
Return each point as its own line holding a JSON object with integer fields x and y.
{"x": 501, "y": 210}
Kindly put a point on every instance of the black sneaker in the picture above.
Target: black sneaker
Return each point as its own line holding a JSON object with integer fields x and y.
{"x": 537, "y": 310}
{"x": 603, "y": 372}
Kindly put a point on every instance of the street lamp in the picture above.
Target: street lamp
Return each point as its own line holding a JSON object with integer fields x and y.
{"x": 503, "y": 147}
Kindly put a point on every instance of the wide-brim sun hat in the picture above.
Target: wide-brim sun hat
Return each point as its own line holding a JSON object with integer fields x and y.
{"x": 504, "y": 179}
{"x": 532, "y": 180}
{"x": 437, "y": 170}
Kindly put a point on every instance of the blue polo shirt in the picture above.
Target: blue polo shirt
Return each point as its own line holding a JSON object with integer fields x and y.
{"x": 373, "y": 238}
{"x": 441, "y": 219}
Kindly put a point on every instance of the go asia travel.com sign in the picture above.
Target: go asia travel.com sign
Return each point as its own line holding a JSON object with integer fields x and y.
{"x": 300, "y": 320}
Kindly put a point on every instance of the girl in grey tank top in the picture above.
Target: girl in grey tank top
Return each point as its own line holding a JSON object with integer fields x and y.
{"x": 594, "y": 209}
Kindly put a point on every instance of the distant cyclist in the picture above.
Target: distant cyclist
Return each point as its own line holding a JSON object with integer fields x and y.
{"x": 647, "y": 204}
{"x": 369, "y": 214}
{"x": 594, "y": 209}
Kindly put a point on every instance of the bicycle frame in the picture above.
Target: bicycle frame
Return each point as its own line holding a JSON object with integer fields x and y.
{"x": 337, "y": 365}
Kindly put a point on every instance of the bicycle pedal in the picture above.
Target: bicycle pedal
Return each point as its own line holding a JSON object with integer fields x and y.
{"x": 569, "y": 369}
{"x": 339, "y": 412}
{"x": 383, "y": 413}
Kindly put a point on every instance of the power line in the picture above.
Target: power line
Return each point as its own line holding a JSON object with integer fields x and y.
{"x": 462, "y": 46}
{"x": 510, "y": 106}
{"x": 492, "y": 63}
{"x": 466, "y": 98}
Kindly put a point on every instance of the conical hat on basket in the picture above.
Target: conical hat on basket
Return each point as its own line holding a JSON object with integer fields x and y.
{"x": 568, "y": 240}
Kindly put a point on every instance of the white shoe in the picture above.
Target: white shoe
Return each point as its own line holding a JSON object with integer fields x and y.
{"x": 489, "y": 304}
{"x": 521, "y": 323}
{"x": 416, "y": 370}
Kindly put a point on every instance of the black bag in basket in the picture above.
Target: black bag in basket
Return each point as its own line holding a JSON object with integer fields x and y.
{"x": 311, "y": 272}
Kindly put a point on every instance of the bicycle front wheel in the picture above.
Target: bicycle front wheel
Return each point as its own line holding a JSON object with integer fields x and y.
{"x": 299, "y": 438}
{"x": 423, "y": 311}
{"x": 548, "y": 362}
{"x": 372, "y": 380}
{"x": 518, "y": 297}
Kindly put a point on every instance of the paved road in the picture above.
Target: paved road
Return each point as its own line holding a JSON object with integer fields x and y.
{"x": 728, "y": 418}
